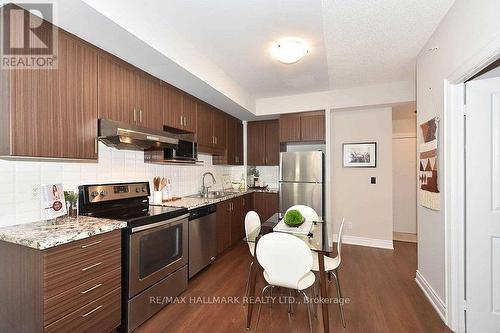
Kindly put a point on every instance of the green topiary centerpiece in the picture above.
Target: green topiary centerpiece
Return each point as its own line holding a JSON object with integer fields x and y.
{"x": 293, "y": 218}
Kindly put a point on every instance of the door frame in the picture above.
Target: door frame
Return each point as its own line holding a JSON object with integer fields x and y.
{"x": 455, "y": 195}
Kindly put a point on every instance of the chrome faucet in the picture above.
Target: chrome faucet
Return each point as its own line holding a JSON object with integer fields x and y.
{"x": 204, "y": 189}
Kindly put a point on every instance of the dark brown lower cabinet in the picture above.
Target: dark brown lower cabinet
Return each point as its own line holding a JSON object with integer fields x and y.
{"x": 231, "y": 220}
{"x": 247, "y": 202}
{"x": 237, "y": 220}
{"x": 223, "y": 226}
{"x": 75, "y": 287}
{"x": 266, "y": 204}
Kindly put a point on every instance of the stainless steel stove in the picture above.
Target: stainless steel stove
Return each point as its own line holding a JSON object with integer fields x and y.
{"x": 154, "y": 246}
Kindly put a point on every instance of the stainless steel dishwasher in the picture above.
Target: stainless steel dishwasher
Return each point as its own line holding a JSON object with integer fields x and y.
{"x": 202, "y": 238}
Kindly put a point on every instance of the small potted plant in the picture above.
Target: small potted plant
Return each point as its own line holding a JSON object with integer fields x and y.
{"x": 293, "y": 218}
{"x": 71, "y": 199}
{"x": 253, "y": 174}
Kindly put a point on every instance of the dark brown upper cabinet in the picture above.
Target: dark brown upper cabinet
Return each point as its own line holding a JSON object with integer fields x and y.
{"x": 179, "y": 109}
{"x": 171, "y": 106}
{"x": 189, "y": 112}
{"x": 51, "y": 113}
{"x": 127, "y": 94}
{"x": 54, "y": 113}
{"x": 116, "y": 86}
{"x": 220, "y": 129}
{"x": 290, "y": 128}
{"x": 263, "y": 142}
{"x": 204, "y": 126}
{"x": 234, "y": 141}
{"x": 148, "y": 101}
{"x": 302, "y": 127}
{"x": 211, "y": 130}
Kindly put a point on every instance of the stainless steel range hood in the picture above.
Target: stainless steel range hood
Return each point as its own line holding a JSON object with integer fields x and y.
{"x": 125, "y": 136}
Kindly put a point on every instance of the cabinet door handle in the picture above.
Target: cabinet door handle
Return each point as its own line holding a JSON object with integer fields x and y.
{"x": 95, "y": 145}
{"x": 135, "y": 115}
{"x": 91, "y": 266}
{"x": 185, "y": 121}
{"x": 90, "y": 244}
{"x": 215, "y": 140}
{"x": 92, "y": 311}
{"x": 140, "y": 116}
{"x": 90, "y": 289}
{"x": 181, "y": 121}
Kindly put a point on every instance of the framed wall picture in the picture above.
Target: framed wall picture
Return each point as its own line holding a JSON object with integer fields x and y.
{"x": 359, "y": 155}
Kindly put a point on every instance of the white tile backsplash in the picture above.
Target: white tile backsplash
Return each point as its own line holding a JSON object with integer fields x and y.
{"x": 270, "y": 175}
{"x": 20, "y": 181}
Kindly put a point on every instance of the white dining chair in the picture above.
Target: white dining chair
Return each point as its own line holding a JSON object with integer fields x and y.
{"x": 331, "y": 266}
{"x": 252, "y": 226}
{"x": 287, "y": 262}
{"x": 306, "y": 211}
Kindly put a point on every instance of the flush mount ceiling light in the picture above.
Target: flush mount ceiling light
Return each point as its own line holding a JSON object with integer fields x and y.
{"x": 289, "y": 50}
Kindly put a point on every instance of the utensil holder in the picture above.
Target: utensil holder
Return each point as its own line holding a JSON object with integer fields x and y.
{"x": 157, "y": 197}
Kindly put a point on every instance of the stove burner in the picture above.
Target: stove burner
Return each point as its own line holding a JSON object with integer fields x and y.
{"x": 128, "y": 202}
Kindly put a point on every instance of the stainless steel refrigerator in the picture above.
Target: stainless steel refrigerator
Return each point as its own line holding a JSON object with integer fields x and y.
{"x": 301, "y": 180}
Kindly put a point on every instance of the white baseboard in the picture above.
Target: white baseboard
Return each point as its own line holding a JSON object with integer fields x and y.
{"x": 363, "y": 241}
{"x": 431, "y": 294}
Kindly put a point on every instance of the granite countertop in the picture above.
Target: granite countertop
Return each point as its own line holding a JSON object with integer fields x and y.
{"x": 42, "y": 235}
{"x": 192, "y": 203}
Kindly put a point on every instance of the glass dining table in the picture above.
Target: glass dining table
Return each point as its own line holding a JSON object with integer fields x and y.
{"x": 316, "y": 239}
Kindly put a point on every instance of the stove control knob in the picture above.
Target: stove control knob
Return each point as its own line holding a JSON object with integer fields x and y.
{"x": 137, "y": 190}
{"x": 94, "y": 194}
{"x": 143, "y": 189}
{"x": 104, "y": 193}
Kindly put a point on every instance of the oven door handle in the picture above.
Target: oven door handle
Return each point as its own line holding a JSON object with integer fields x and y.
{"x": 159, "y": 224}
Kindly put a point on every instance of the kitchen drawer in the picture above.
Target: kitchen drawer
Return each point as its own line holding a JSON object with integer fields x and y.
{"x": 100, "y": 316}
{"x": 67, "y": 254}
{"x": 63, "y": 304}
{"x": 65, "y": 277}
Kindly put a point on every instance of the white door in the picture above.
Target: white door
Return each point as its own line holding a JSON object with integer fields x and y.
{"x": 483, "y": 206}
{"x": 404, "y": 184}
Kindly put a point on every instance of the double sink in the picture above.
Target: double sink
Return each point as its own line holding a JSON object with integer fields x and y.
{"x": 212, "y": 195}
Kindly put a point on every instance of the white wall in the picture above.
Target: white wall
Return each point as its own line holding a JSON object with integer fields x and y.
{"x": 404, "y": 119}
{"x": 404, "y": 168}
{"x": 366, "y": 207}
{"x": 404, "y": 188}
{"x": 20, "y": 180}
{"x": 381, "y": 94}
{"x": 467, "y": 29}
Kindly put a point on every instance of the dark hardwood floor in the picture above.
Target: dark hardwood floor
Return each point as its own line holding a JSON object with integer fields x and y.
{"x": 378, "y": 283}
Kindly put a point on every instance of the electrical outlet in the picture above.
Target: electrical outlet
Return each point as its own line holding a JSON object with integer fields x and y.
{"x": 35, "y": 192}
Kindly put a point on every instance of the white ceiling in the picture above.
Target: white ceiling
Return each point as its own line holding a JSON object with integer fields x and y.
{"x": 237, "y": 35}
{"x": 218, "y": 50}
{"x": 376, "y": 41}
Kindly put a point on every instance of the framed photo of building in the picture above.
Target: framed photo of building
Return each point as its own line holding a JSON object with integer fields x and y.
{"x": 359, "y": 155}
